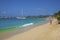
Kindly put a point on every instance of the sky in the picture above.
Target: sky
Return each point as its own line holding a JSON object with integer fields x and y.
{"x": 28, "y": 7}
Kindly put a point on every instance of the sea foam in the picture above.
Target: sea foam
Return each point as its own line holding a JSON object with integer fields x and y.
{"x": 27, "y": 24}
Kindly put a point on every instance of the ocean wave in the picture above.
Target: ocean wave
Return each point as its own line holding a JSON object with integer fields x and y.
{"x": 27, "y": 24}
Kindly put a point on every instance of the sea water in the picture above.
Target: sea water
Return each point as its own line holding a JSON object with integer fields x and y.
{"x": 9, "y": 23}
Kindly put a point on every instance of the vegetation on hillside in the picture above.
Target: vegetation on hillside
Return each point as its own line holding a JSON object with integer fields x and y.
{"x": 41, "y": 16}
{"x": 57, "y": 15}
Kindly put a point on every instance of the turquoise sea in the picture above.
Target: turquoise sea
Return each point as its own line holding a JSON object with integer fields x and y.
{"x": 13, "y": 23}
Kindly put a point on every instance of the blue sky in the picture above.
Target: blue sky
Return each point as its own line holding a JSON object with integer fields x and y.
{"x": 30, "y": 7}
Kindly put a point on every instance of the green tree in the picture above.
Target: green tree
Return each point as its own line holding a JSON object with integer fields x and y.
{"x": 57, "y": 14}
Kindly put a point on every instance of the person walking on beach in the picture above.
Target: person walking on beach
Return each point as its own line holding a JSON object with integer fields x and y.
{"x": 50, "y": 20}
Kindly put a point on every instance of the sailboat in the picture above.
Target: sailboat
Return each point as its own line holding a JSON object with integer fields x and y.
{"x": 22, "y": 17}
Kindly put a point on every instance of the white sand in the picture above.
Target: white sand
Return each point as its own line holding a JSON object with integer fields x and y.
{"x": 42, "y": 32}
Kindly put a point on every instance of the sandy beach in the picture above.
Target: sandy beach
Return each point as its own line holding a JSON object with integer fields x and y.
{"x": 46, "y": 31}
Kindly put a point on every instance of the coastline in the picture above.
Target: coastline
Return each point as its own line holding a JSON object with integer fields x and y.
{"x": 46, "y": 31}
{"x": 19, "y": 30}
{"x": 19, "y": 26}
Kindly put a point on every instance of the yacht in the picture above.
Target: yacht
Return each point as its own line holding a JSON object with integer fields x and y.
{"x": 22, "y": 17}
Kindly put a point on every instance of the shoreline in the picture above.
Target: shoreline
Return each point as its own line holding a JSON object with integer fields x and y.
{"x": 46, "y": 31}
{"x": 20, "y": 30}
{"x": 27, "y": 25}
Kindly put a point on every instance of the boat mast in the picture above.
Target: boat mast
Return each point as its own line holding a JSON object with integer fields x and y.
{"x": 22, "y": 12}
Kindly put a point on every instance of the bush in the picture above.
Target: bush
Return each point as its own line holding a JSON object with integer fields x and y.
{"x": 58, "y": 18}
